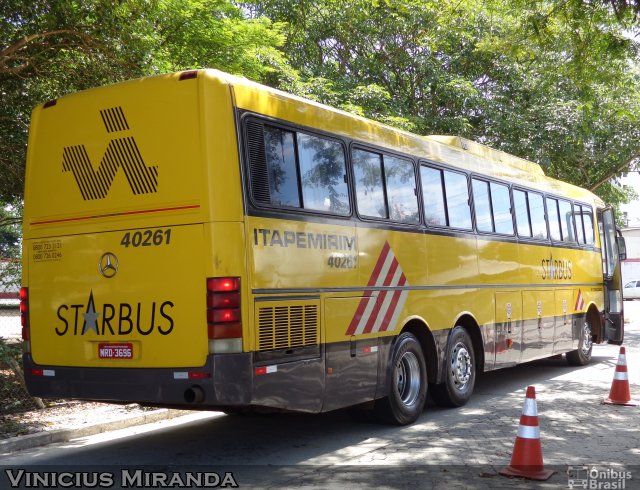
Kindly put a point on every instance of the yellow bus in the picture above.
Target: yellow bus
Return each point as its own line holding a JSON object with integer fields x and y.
{"x": 199, "y": 240}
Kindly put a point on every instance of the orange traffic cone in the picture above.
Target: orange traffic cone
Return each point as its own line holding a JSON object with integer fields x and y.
{"x": 620, "y": 394}
{"x": 526, "y": 460}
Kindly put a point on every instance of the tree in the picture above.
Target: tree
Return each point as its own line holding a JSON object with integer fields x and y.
{"x": 48, "y": 49}
{"x": 550, "y": 81}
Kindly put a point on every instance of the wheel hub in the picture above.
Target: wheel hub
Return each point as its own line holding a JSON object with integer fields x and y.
{"x": 408, "y": 378}
{"x": 461, "y": 366}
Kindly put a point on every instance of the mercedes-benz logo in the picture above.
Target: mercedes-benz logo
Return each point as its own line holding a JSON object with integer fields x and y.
{"x": 108, "y": 265}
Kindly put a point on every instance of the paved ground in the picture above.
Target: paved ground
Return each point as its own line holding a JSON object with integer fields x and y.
{"x": 461, "y": 448}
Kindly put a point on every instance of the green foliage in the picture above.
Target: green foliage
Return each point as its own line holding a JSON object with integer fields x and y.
{"x": 48, "y": 49}
{"x": 554, "y": 81}
{"x": 10, "y": 236}
{"x": 550, "y": 81}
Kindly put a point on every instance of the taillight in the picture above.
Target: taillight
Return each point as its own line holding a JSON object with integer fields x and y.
{"x": 24, "y": 313}
{"x": 224, "y": 321}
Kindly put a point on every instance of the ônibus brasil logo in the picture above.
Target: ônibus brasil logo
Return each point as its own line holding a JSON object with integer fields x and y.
{"x": 121, "y": 152}
{"x": 115, "y": 319}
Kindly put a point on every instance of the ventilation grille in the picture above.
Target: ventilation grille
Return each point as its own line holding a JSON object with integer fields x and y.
{"x": 258, "y": 163}
{"x": 282, "y": 327}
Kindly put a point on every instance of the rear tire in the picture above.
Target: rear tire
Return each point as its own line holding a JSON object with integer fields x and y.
{"x": 460, "y": 371}
{"x": 582, "y": 356}
{"x": 407, "y": 384}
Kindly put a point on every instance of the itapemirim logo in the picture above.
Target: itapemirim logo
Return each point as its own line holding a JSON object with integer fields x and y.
{"x": 121, "y": 152}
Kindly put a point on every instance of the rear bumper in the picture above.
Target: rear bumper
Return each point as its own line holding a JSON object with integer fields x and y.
{"x": 226, "y": 381}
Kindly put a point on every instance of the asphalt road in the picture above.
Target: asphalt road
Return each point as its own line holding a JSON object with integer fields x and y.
{"x": 446, "y": 448}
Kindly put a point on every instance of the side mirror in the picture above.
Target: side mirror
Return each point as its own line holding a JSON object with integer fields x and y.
{"x": 622, "y": 248}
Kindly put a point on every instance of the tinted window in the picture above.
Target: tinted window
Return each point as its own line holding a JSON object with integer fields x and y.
{"x": 587, "y": 218}
{"x": 323, "y": 170}
{"x": 521, "y": 210}
{"x": 367, "y": 168}
{"x": 432, "y": 194}
{"x": 566, "y": 221}
{"x": 457, "y": 199}
{"x": 584, "y": 224}
{"x": 482, "y": 204}
{"x": 577, "y": 209}
{"x": 401, "y": 189}
{"x": 281, "y": 167}
{"x": 493, "y": 207}
{"x": 399, "y": 202}
{"x": 538, "y": 221}
{"x": 501, "y": 209}
{"x": 554, "y": 219}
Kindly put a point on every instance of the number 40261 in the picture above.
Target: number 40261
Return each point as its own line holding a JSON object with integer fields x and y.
{"x": 146, "y": 238}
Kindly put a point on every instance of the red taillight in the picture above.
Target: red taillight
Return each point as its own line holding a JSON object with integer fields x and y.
{"x": 223, "y": 308}
{"x": 223, "y": 300}
{"x": 24, "y": 313}
{"x": 223, "y": 284}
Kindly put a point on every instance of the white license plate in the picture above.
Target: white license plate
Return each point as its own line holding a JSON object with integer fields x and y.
{"x": 115, "y": 351}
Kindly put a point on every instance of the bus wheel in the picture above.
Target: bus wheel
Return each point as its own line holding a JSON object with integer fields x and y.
{"x": 460, "y": 375}
{"x": 582, "y": 355}
{"x": 408, "y": 384}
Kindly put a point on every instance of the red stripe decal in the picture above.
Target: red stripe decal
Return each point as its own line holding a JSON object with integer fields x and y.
{"x": 367, "y": 295}
{"x": 358, "y": 315}
{"x": 392, "y": 307}
{"x": 381, "y": 297}
{"x": 110, "y": 215}
{"x": 381, "y": 260}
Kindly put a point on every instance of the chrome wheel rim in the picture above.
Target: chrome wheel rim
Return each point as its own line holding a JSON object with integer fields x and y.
{"x": 586, "y": 338}
{"x": 408, "y": 378}
{"x": 461, "y": 366}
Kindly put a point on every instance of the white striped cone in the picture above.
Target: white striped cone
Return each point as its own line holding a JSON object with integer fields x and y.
{"x": 620, "y": 393}
{"x": 526, "y": 460}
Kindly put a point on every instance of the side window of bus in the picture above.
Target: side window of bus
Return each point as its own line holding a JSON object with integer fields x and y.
{"x": 367, "y": 168}
{"x": 399, "y": 202}
{"x": 323, "y": 174}
{"x": 521, "y": 210}
{"x": 587, "y": 218}
{"x": 554, "y": 219}
{"x": 577, "y": 210}
{"x": 298, "y": 170}
{"x": 584, "y": 224}
{"x": 538, "y": 221}
{"x": 566, "y": 221}
{"x": 529, "y": 212}
{"x": 281, "y": 167}
{"x": 446, "y": 198}
{"x": 492, "y": 207}
{"x": 400, "y": 178}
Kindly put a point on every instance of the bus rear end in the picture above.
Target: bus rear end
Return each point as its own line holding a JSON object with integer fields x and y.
{"x": 125, "y": 296}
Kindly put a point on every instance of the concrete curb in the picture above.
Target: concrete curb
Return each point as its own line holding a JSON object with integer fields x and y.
{"x": 28, "y": 441}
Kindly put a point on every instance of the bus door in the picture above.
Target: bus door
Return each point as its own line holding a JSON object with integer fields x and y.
{"x": 611, "y": 268}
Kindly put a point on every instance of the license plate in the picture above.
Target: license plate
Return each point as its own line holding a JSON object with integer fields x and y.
{"x": 115, "y": 351}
